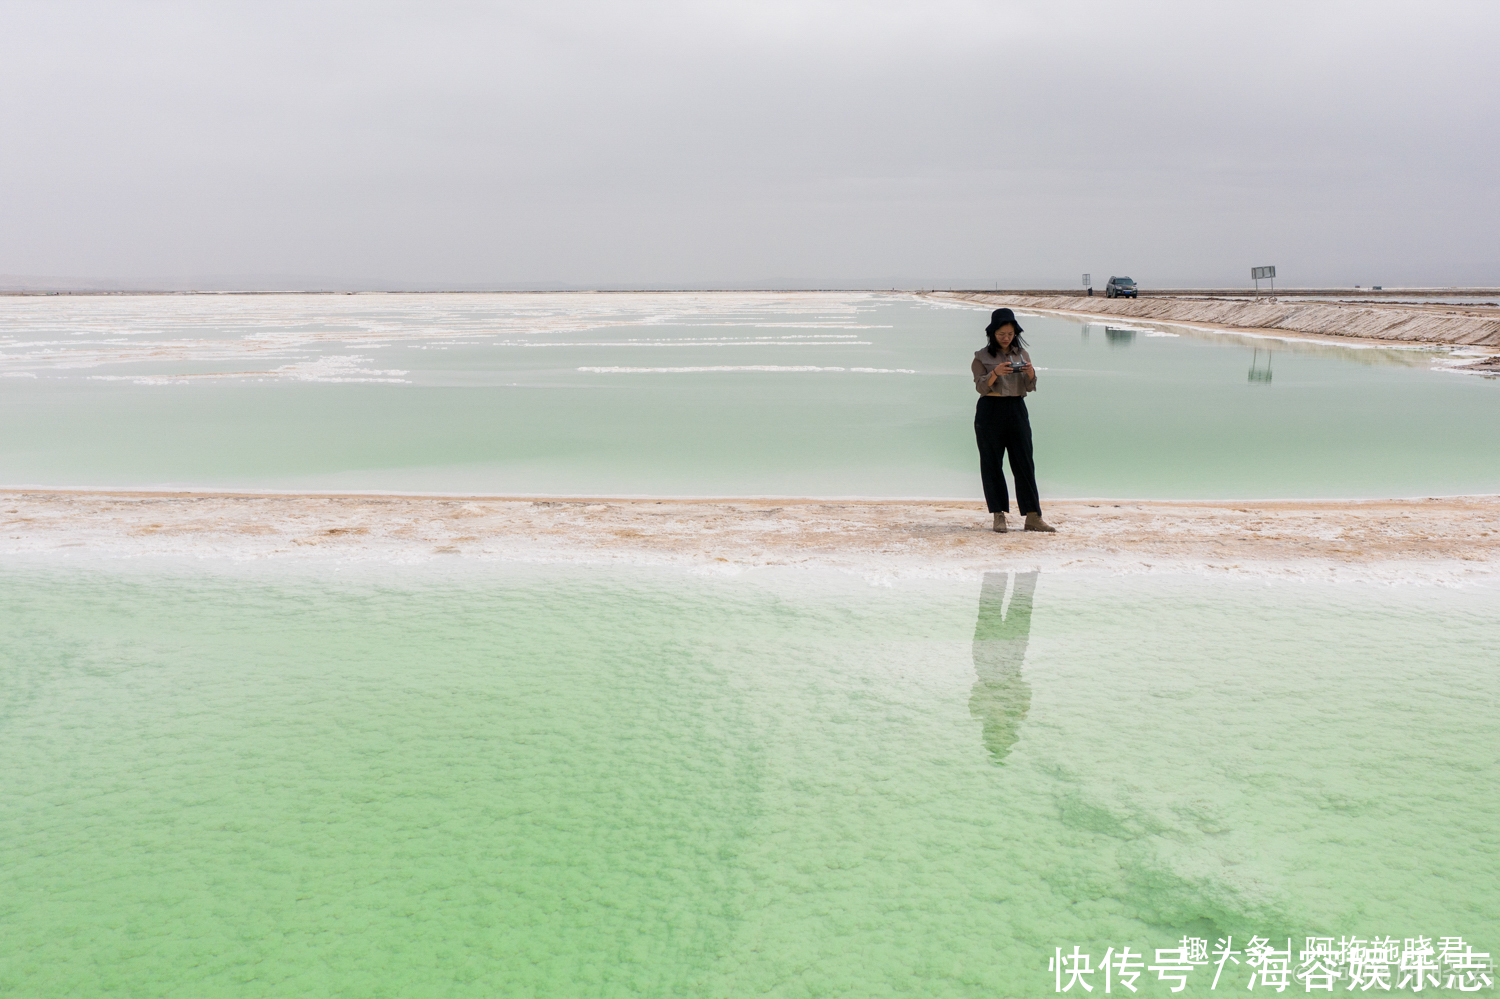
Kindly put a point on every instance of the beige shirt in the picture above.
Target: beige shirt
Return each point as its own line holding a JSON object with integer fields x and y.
{"x": 1009, "y": 383}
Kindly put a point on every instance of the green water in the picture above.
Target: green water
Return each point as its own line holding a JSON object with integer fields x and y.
{"x": 700, "y": 395}
{"x": 564, "y": 782}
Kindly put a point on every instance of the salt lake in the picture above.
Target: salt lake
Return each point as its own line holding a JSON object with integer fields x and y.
{"x": 251, "y": 780}
{"x": 701, "y": 395}
{"x": 247, "y": 775}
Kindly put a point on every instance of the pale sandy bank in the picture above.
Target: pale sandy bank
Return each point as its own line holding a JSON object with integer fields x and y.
{"x": 1434, "y": 539}
{"x": 1363, "y": 322}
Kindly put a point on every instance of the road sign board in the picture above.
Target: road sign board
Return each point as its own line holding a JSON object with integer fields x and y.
{"x": 1261, "y": 273}
{"x": 1088, "y": 280}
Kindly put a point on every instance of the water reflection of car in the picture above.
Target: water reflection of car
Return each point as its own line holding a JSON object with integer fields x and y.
{"x": 1120, "y": 287}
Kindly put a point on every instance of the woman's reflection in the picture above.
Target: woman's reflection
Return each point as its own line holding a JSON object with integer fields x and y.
{"x": 1001, "y": 697}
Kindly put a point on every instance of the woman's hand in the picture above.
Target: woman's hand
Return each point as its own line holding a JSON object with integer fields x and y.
{"x": 993, "y": 375}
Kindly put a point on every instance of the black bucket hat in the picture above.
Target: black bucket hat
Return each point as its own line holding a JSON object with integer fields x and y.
{"x": 999, "y": 318}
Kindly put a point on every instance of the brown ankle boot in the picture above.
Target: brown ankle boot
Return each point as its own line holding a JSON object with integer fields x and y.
{"x": 1034, "y": 522}
{"x": 1000, "y": 527}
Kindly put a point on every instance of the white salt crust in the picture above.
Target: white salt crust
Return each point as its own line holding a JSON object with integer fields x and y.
{"x": 1438, "y": 541}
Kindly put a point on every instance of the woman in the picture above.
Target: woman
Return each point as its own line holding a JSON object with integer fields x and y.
{"x": 1002, "y": 376}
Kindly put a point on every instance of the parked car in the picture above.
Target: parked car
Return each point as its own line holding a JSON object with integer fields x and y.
{"x": 1120, "y": 287}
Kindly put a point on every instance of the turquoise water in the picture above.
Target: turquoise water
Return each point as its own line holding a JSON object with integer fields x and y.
{"x": 699, "y": 395}
{"x": 571, "y": 782}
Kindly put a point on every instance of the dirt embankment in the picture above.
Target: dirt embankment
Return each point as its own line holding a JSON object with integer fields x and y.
{"x": 1455, "y": 326}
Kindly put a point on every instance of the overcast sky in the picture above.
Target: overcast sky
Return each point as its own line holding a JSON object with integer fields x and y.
{"x": 749, "y": 144}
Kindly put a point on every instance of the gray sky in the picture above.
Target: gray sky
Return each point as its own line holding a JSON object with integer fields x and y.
{"x": 749, "y": 144}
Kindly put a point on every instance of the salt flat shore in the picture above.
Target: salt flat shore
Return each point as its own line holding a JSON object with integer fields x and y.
{"x": 1368, "y": 322}
{"x": 1437, "y": 540}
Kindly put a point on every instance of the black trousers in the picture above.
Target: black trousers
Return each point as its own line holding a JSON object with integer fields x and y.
{"x": 1001, "y": 425}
